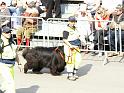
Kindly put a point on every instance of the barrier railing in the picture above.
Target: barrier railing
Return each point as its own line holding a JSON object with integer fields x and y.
{"x": 49, "y": 33}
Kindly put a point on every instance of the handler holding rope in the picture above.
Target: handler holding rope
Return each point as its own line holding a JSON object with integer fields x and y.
{"x": 71, "y": 49}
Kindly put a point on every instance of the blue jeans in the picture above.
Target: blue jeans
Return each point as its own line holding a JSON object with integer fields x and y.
{"x": 114, "y": 39}
{"x": 18, "y": 11}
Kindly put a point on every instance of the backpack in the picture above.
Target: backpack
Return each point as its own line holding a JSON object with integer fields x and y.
{"x": 1, "y": 45}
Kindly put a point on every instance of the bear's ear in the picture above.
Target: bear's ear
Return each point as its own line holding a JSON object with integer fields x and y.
{"x": 25, "y": 51}
{"x": 61, "y": 48}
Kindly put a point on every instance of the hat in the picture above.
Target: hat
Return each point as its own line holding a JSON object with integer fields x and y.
{"x": 83, "y": 7}
{"x": 2, "y": 3}
{"x": 119, "y": 6}
{"x": 72, "y": 19}
{"x": 30, "y": 2}
{"x": 6, "y": 29}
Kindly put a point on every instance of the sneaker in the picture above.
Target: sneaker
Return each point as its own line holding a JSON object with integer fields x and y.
{"x": 72, "y": 78}
{"x": 86, "y": 52}
{"x": 112, "y": 54}
{"x": 91, "y": 47}
{"x": 93, "y": 53}
{"x": 121, "y": 54}
{"x": 76, "y": 76}
{"x": 100, "y": 54}
{"x": 115, "y": 54}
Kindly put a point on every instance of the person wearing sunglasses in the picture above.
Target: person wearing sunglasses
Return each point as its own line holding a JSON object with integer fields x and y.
{"x": 101, "y": 29}
{"x": 7, "y": 61}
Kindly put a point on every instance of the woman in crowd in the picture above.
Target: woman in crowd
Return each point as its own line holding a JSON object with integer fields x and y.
{"x": 29, "y": 24}
{"x": 101, "y": 27}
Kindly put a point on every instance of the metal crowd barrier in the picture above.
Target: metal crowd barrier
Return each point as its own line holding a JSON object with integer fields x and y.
{"x": 58, "y": 25}
{"x": 49, "y": 34}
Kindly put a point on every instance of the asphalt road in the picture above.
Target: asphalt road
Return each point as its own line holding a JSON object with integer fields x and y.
{"x": 94, "y": 77}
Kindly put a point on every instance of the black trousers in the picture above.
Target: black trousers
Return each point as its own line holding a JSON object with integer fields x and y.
{"x": 99, "y": 38}
{"x": 53, "y": 5}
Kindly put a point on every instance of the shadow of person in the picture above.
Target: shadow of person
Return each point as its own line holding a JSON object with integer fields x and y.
{"x": 32, "y": 89}
{"x": 1, "y": 91}
{"x": 84, "y": 70}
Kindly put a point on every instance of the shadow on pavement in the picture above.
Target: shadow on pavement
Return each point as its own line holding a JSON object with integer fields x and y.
{"x": 84, "y": 70}
{"x": 32, "y": 89}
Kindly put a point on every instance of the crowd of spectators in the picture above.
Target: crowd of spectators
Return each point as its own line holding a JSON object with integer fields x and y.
{"x": 88, "y": 10}
{"x": 102, "y": 13}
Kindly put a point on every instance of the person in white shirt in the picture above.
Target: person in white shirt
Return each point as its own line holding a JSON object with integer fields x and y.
{"x": 16, "y": 8}
{"x": 111, "y": 4}
{"x": 83, "y": 25}
{"x": 92, "y": 5}
{"x": 71, "y": 49}
{"x": 7, "y": 61}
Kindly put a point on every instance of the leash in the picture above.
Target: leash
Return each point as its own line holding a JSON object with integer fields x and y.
{"x": 61, "y": 54}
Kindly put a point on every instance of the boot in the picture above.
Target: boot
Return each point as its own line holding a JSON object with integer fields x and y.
{"x": 71, "y": 77}
{"x": 75, "y": 73}
{"x": 19, "y": 41}
{"x": 27, "y": 41}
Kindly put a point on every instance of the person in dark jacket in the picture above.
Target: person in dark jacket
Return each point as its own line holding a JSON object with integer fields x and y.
{"x": 116, "y": 25}
{"x": 53, "y": 5}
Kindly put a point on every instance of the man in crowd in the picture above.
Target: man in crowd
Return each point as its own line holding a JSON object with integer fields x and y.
{"x": 16, "y": 9}
{"x": 53, "y": 5}
{"x": 115, "y": 39}
{"x": 92, "y": 5}
{"x": 4, "y": 11}
{"x": 110, "y": 4}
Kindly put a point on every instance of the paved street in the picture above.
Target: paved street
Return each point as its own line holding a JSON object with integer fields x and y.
{"x": 94, "y": 78}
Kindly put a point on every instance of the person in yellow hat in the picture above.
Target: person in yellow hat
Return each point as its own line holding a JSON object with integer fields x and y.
{"x": 71, "y": 49}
